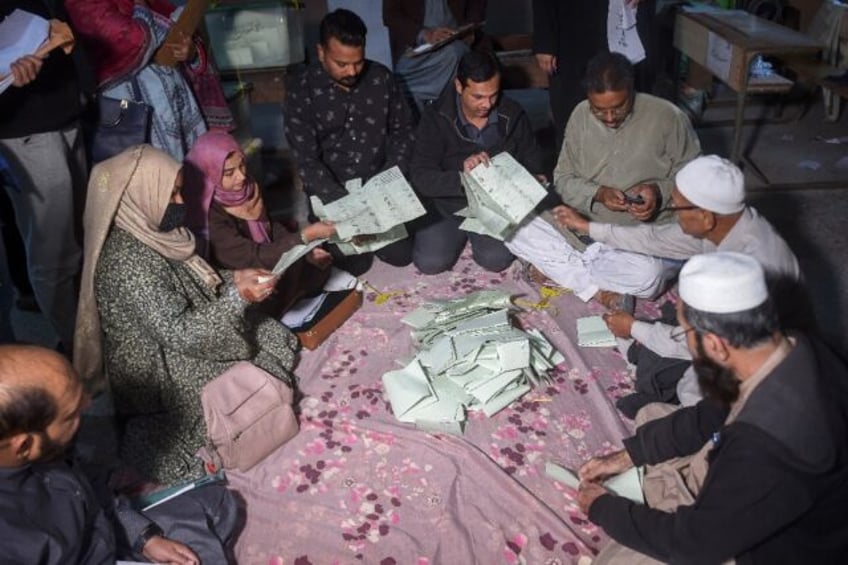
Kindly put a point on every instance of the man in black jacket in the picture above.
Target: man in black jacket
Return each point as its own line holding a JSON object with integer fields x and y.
{"x": 758, "y": 470}
{"x": 466, "y": 125}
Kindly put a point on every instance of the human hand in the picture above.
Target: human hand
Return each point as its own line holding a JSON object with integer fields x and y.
{"x": 587, "y": 493}
{"x": 26, "y": 69}
{"x": 254, "y": 285}
{"x": 612, "y": 198}
{"x": 650, "y": 194}
{"x": 619, "y": 323}
{"x": 160, "y": 549}
{"x": 183, "y": 48}
{"x": 547, "y": 62}
{"x": 568, "y": 217}
{"x": 599, "y": 468}
{"x": 436, "y": 34}
{"x": 318, "y": 230}
{"x": 475, "y": 160}
{"x": 321, "y": 258}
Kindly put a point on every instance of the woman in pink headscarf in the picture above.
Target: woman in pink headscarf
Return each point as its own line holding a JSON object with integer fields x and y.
{"x": 227, "y": 214}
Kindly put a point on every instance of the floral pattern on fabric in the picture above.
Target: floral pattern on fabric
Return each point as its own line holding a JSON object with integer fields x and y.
{"x": 357, "y": 486}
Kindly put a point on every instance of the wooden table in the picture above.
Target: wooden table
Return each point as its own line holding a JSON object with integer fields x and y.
{"x": 727, "y": 42}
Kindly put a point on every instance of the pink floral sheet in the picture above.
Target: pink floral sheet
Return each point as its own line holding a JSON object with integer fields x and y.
{"x": 357, "y": 486}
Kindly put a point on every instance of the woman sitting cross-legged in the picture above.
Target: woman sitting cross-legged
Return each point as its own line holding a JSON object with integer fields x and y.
{"x": 228, "y": 216}
{"x": 158, "y": 318}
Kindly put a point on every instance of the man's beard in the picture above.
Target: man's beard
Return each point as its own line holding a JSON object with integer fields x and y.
{"x": 52, "y": 450}
{"x": 348, "y": 82}
{"x": 716, "y": 382}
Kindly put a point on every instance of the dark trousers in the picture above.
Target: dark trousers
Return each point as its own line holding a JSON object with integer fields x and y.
{"x": 439, "y": 243}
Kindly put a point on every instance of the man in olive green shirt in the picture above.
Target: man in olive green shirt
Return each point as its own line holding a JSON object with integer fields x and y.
{"x": 617, "y": 166}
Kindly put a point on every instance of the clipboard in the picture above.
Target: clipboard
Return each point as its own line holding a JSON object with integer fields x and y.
{"x": 186, "y": 23}
{"x": 425, "y": 48}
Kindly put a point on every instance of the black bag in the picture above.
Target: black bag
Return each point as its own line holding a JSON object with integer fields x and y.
{"x": 120, "y": 124}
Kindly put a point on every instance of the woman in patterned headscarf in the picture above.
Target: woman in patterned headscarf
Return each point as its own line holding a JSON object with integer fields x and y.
{"x": 157, "y": 319}
{"x": 226, "y": 212}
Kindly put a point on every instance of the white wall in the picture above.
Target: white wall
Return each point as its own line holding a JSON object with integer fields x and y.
{"x": 371, "y": 11}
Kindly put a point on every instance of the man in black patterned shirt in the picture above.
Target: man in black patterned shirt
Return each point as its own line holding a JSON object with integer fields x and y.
{"x": 346, "y": 118}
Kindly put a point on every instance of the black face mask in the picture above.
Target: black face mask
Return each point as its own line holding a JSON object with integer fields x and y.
{"x": 173, "y": 218}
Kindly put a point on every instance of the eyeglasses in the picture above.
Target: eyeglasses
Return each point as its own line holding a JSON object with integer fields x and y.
{"x": 618, "y": 112}
{"x": 680, "y": 332}
{"x": 673, "y": 208}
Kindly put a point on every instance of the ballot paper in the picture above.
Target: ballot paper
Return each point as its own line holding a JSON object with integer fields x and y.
{"x": 627, "y": 484}
{"x": 470, "y": 357}
{"x": 500, "y": 196}
{"x": 622, "y": 35}
{"x": 377, "y": 209}
{"x": 288, "y": 258}
{"x": 592, "y": 331}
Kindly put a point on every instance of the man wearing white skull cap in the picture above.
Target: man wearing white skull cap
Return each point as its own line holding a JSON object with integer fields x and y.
{"x": 709, "y": 201}
{"x": 757, "y": 472}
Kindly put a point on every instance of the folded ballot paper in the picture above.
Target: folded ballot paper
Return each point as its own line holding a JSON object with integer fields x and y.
{"x": 592, "y": 331}
{"x": 378, "y": 210}
{"x": 471, "y": 357}
{"x": 628, "y": 484}
{"x": 500, "y": 196}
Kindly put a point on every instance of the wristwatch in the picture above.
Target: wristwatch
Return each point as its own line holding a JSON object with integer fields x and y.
{"x": 145, "y": 536}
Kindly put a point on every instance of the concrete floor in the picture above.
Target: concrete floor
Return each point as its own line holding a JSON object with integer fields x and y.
{"x": 811, "y": 220}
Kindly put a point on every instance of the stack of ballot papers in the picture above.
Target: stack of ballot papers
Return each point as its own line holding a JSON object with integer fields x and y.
{"x": 500, "y": 196}
{"x": 378, "y": 209}
{"x": 471, "y": 357}
{"x": 628, "y": 484}
{"x": 592, "y": 331}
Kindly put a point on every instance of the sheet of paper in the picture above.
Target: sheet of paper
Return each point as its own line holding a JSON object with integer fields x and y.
{"x": 303, "y": 311}
{"x": 628, "y": 484}
{"x": 500, "y": 196}
{"x": 563, "y": 475}
{"x": 386, "y": 201}
{"x": 288, "y": 258}
{"x": 592, "y": 331}
{"x": 340, "y": 280}
{"x": 21, "y": 33}
{"x": 622, "y": 35}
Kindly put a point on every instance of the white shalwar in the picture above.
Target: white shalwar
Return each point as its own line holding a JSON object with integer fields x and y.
{"x": 600, "y": 267}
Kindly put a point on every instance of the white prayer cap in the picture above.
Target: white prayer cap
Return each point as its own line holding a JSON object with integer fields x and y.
{"x": 712, "y": 183}
{"x": 722, "y": 282}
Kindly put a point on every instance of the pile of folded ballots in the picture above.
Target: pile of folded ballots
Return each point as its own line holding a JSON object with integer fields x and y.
{"x": 471, "y": 357}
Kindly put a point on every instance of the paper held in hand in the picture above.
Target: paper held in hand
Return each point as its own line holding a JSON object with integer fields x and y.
{"x": 23, "y": 33}
{"x": 500, "y": 196}
{"x": 376, "y": 210}
{"x": 628, "y": 484}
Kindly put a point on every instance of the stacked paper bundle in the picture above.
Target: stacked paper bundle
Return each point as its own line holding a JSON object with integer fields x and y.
{"x": 471, "y": 358}
{"x": 501, "y": 194}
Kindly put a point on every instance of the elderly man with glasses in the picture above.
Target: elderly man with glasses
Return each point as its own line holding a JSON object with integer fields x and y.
{"x": 621, "y": 152}
{"x": 709, "y": 202}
